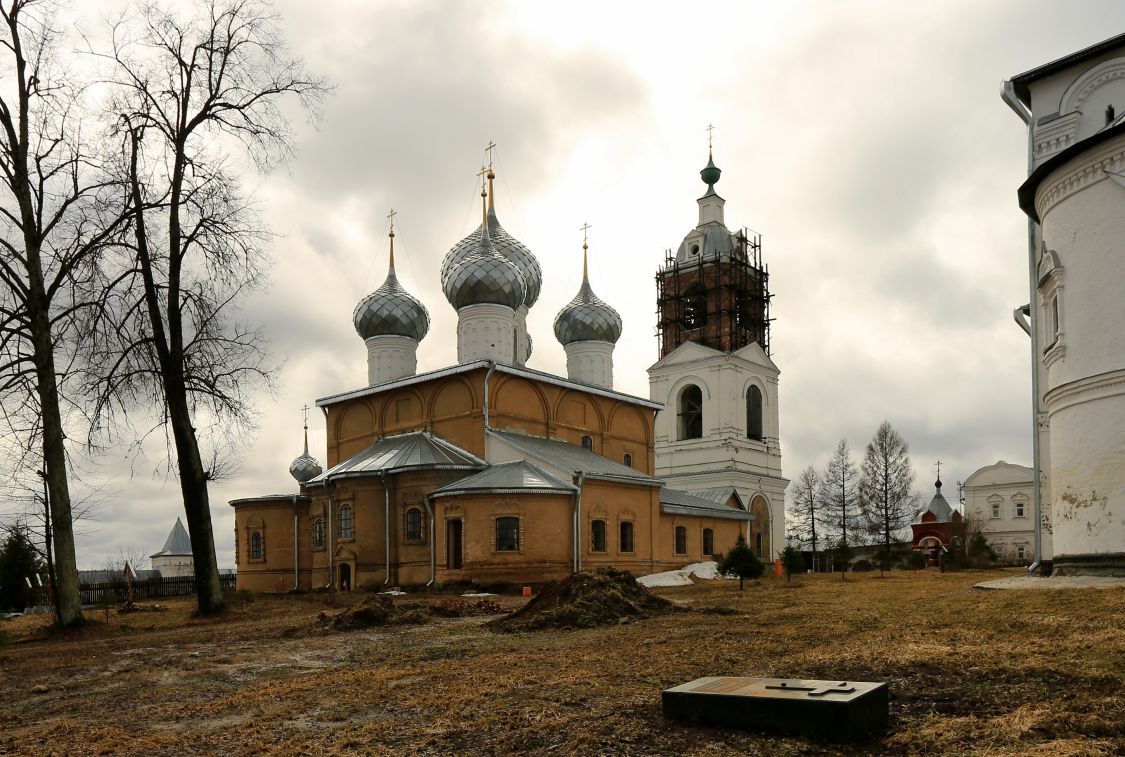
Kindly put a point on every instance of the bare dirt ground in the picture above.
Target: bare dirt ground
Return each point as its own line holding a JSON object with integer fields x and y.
{"x": 970, "y": 672}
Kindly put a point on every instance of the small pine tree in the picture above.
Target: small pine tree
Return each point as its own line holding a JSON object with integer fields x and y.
{"x": 979, "y": 551}
{"x": 742, "y": 562}
{"x": 883, "y": 558}
{"x": 792, "y": 560}
{"x": 18, "y": 561}
{"x": 916, "y": 560}
{"x": 842, "y": 554}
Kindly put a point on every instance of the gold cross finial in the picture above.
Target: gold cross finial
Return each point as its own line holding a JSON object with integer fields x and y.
{"x": 391, "y": 218}
{"x": 305, "y": 413}
{"x": 585, "y": 268}
{"x": 488, "y": 152}
{"x": 584, "y": 228}
{"x": 391, "y": 234}
{"x": 938, "y": 464}
{"x": 710, "y": 129}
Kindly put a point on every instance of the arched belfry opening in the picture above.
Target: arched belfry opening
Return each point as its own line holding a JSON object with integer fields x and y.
{"x": 754, "y": 413}
{"x": 690, "y": 412}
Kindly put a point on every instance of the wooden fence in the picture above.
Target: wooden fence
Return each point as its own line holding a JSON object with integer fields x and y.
{"x": 113, "y": 592}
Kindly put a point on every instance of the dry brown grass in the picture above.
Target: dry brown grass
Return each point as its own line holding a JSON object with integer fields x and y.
{"x": 970, "y": 673}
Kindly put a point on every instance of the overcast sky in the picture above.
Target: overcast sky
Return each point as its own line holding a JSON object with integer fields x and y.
{"x": 865, "y": 141}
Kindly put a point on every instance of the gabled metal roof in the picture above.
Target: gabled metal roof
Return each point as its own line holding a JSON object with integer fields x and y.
{"x": 720, "y": 494}
{"x": 416, "y": 450}
{"x": 516, "y": 477}
{"x": 684, "y": 503}
{"x": 177, "y": 543}
{"x": 572, "y": 457}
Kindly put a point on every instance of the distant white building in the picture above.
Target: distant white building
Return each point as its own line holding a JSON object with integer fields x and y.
{"x": 1075, "y": 198}
{"x": 999, "y": 498}
{"x": 175, "y": 558}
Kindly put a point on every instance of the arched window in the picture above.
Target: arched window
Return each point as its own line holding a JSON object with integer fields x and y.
{"x": 681, "y": 540}
{"x": 708, "y": 541}
{"x": 346, "y": 530}
{"x": 754, "y": 412}
{"x": 626, "y": 537}
{"x": 629, "y": 459}
{"x": 414, "y": 524}
{"x": 597, "y": 536}
{"x": 694, "y": 308}
{"x": 318, "y": 533}
{"x": 587, "y": 443}
{"x": 256, "y": 545}
{"x": 507, "y": 534}
{"x": 691, "y": 412}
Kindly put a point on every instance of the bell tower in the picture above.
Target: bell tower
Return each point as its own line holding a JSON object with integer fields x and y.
{"x": 718, "y": 431}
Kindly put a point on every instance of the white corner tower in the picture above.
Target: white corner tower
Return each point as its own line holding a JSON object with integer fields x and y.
{"x": 588, "y": 329}
{"x": 391, "y": 322}
{"x": 719, "y": 427}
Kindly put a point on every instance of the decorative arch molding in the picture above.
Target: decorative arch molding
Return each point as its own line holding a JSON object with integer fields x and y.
{"x": 599, "y": 416}
{"x": 683, "y": 381}
{"x": 1085, "y": 85}
{"x": 255, "y": 521}
{"x": 391, "y": 405}
{"x": 756, "y": 381}
{"x": 510, "y": 382}
{"x": 344, "y": 553}
{"x": 353, "y": 417}
{"x": 622, "y": 408}
{"x": 443, "y": 390}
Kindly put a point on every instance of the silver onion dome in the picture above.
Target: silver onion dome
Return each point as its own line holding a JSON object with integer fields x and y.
{"x": 391, "y": 310}
{"x": 587, "y": 318}
{"x": 484, "y": 277}
{"x": 508, "y": 246}
{"x": 305, "y": 468}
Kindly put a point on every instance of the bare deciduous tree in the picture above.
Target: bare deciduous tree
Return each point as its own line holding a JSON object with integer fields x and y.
{"x": 188, "y": 89}
{"x": 57, "y": 212}
{"x": 884, "y": 484}
{"x": 807, "y": 521}
{"x": 838, "y": 492}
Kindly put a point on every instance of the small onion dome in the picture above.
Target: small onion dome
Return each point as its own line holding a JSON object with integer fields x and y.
{"x": 391, "y": 310}
{"x": 710, "y": 174}
{"x": 508, "y": 246}
{"x": 484, "y": 277}
{"x": 305, "y": 468}
{"x": 587, "y": 318}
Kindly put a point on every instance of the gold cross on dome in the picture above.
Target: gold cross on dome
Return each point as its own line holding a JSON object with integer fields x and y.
{"x": 938, "y": 464}
{"x": 584, "y": 228}
{"x": 488, "y": 151}
{"x": 305, "y": 413}
{"x": 710, "y": 129}
{"x": 391, "y": 218}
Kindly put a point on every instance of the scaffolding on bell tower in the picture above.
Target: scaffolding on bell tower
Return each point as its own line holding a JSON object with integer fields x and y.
{"x": 721, "y": 301}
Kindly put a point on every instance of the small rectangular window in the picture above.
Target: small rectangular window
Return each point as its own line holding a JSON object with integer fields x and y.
{"x": 995, "y": 509}
{"x": 626, "y": 540}
{"x": 708, "y": 541}
{"x": 414, "y": 524}
{"x": 597, "y": 536}
{"x": 681, "y": 540}
{"x": 507, "y": 534}
{"x": 1019, "y": 509}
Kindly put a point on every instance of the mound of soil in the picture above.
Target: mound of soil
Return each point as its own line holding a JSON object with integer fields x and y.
{"x": 383, "y": 611}
{"x": 585, "y": 600}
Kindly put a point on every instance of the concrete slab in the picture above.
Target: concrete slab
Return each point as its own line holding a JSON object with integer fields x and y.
{"x": 1053, "y": 582}
{"x": 833, "y": 710}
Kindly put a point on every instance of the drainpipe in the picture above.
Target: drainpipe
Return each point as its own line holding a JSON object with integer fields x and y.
{"x": 386, "y": 529}
{"x": 578, "y": 522}
{"x": 1008, "y": 95}
{"x": 331, "y": 533}
{"x": 296, "y": 579}
{"x": 433, "y": 546}
{"x": 487, "y": 376}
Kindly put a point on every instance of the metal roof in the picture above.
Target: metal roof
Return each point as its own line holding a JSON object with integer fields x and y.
{"x": 573, "y": 458}
{"x": 720, "y": 494}
{"x": 516, "y": 477}
{"x": 177, "y": 543}
{"x": 679, "y": 502}
{"x": 1021, "y": 81}
{"x": 416, "y": 450}
{"x": 939, "y": 507}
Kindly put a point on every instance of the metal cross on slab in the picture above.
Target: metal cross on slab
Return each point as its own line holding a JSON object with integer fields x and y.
{"x": 814, "y": 691}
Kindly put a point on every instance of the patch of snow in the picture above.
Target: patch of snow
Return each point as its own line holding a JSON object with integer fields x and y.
{"x": 393, "y": 593}
{"x": 479, "y": 594}
{"x": 706, "y": 571}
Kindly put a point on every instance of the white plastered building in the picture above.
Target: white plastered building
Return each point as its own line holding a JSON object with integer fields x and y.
{"x": 998, "y": 498}
{"x": 1075, "y": 200}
